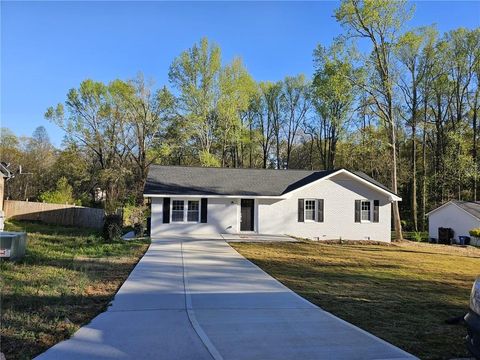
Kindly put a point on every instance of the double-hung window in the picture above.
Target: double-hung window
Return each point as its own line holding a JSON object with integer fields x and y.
{"x": 365, "y": 211}
{"x": 310, "y": 210}
{"x": 185, "y": 211}
{"x": 193, "y": 210}
{"x": 178, "y": 210}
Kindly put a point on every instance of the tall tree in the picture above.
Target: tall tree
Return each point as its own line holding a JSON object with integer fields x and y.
{"x": 413, "y": 52}
{"x": 92, "y": 122}
{"x": 144, "y": 113}
{"x": 269, "y": 120}
{"x": 295, "y": 104}
{"x": 236, "y": 87}
{"x": 195, "y": 74}
{"x": 333, "y": 96}
{"x": 379, "y": 21}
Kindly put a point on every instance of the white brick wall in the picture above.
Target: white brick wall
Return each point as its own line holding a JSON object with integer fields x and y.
{"x": 221, "y": 218}
{"x": 339, "y": 194}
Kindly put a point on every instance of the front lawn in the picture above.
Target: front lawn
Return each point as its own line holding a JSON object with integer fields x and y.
{"x": 68, "y": 276}
{"x": 402, "y": 292}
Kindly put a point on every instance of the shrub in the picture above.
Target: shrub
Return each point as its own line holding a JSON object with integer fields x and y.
{"x": 112, "y": 228}
{"x": 417, "y": 236}
{"x": 475, "y": 232}
{"x": 134, "y": 215}
{"x": 63, "y": 194}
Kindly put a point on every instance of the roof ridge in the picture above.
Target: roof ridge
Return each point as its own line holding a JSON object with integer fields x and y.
{"x": 243, "y": 168}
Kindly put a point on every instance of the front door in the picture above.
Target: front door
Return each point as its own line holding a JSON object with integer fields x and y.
{"x": 247, "y": 215}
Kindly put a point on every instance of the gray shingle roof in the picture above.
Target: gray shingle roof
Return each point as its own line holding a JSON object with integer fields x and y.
{"x": 189, "y": 180}
{"x": 471, "y": 207}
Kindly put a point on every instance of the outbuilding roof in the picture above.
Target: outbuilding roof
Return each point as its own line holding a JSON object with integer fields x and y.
{"x": 471, "y": 207}
{"x": 190, "y": 180}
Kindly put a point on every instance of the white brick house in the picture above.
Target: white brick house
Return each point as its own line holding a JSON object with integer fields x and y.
{"x": 323, "y": 205}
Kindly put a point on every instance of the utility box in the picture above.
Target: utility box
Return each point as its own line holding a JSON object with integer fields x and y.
{"x": 12, "y": 245}
{"x": 445, "y": 235}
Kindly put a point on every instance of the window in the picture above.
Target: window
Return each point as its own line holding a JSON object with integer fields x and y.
{"x": 185, "y": 211}
{"x": 193, "y": 210}
{"x": 365, "y": 213}
{"x": 177, "y": 211}
{"x": 310, "y": 206}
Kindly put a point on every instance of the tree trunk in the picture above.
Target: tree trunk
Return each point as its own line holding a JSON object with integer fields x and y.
{"x": 424, "y": 167}
{"x": 277, "y": 136}
{"x": 474, "y": 148}
{"x": 414, "y": 178}
{"x": 396, "y": 212}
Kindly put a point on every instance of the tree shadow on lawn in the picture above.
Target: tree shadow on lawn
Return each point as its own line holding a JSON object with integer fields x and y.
{"x": 408, "y": 312}
{"x": 31, "y": 324}
{"x": 396, "y": 248}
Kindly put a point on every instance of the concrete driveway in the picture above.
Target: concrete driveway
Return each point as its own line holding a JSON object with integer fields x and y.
{"x": 199, "y": 299}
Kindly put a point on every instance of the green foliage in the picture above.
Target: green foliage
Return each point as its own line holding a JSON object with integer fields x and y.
{"x": 375, "y": 16}
{"x": 195, "y": 73}
{"x": 475, "y": 232}
{"x": 63, "y": 194}
{"x": 417, "y": 236}
{"x": 133, "y": 214}
{"x": 208, "y": 159}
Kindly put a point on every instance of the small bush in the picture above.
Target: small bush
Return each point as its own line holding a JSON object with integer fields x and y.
{"x": 475, "y": 232}
{"x": 63, "y": 194}
{"x": 136, "y": 217}
{"x": 112, "y": 228}
{"x": 417, "y": 236}
{"x": 134, "y": 214}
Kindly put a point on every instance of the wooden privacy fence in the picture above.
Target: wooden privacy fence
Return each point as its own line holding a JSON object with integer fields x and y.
{"x": 56, "y": 214}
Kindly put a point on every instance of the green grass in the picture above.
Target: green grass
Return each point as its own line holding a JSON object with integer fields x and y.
{"x": 402, "y": 292}
{"x": 68, "y": 276}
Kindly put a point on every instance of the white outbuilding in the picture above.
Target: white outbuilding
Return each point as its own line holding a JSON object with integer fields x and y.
{"x": 460, "y": 216}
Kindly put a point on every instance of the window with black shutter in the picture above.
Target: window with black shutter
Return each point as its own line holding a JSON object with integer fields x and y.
{"x": 358, "y": 206}
{"x": 320, "y": 205}
{"x": 376, "y": 211}
{"x": 300, "y": 210}
{"x": 204, "y": 209}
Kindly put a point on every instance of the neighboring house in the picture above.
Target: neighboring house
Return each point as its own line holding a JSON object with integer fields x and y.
{"x": 461, "y": 216}
{"x": 336, "y": 204}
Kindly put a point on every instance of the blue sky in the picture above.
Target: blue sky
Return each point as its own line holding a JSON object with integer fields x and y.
{"x": 49, "y": 47}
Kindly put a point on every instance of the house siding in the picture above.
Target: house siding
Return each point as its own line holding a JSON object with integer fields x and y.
{"x": 339, "y": 194}
{"x": 222, "y": 217}
{"x": 451, "y": 216}
{"x": 280, "y": 216}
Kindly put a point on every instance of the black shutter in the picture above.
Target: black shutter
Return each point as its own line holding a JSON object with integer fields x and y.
{"x": 204, "y": 209}
{"x": 376, "y": 208}
{"x": 320, "y": 210}
{"x": 166, "y": 210}
{"x": 358, "y": 206}
{"x": 300, "y": 210}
